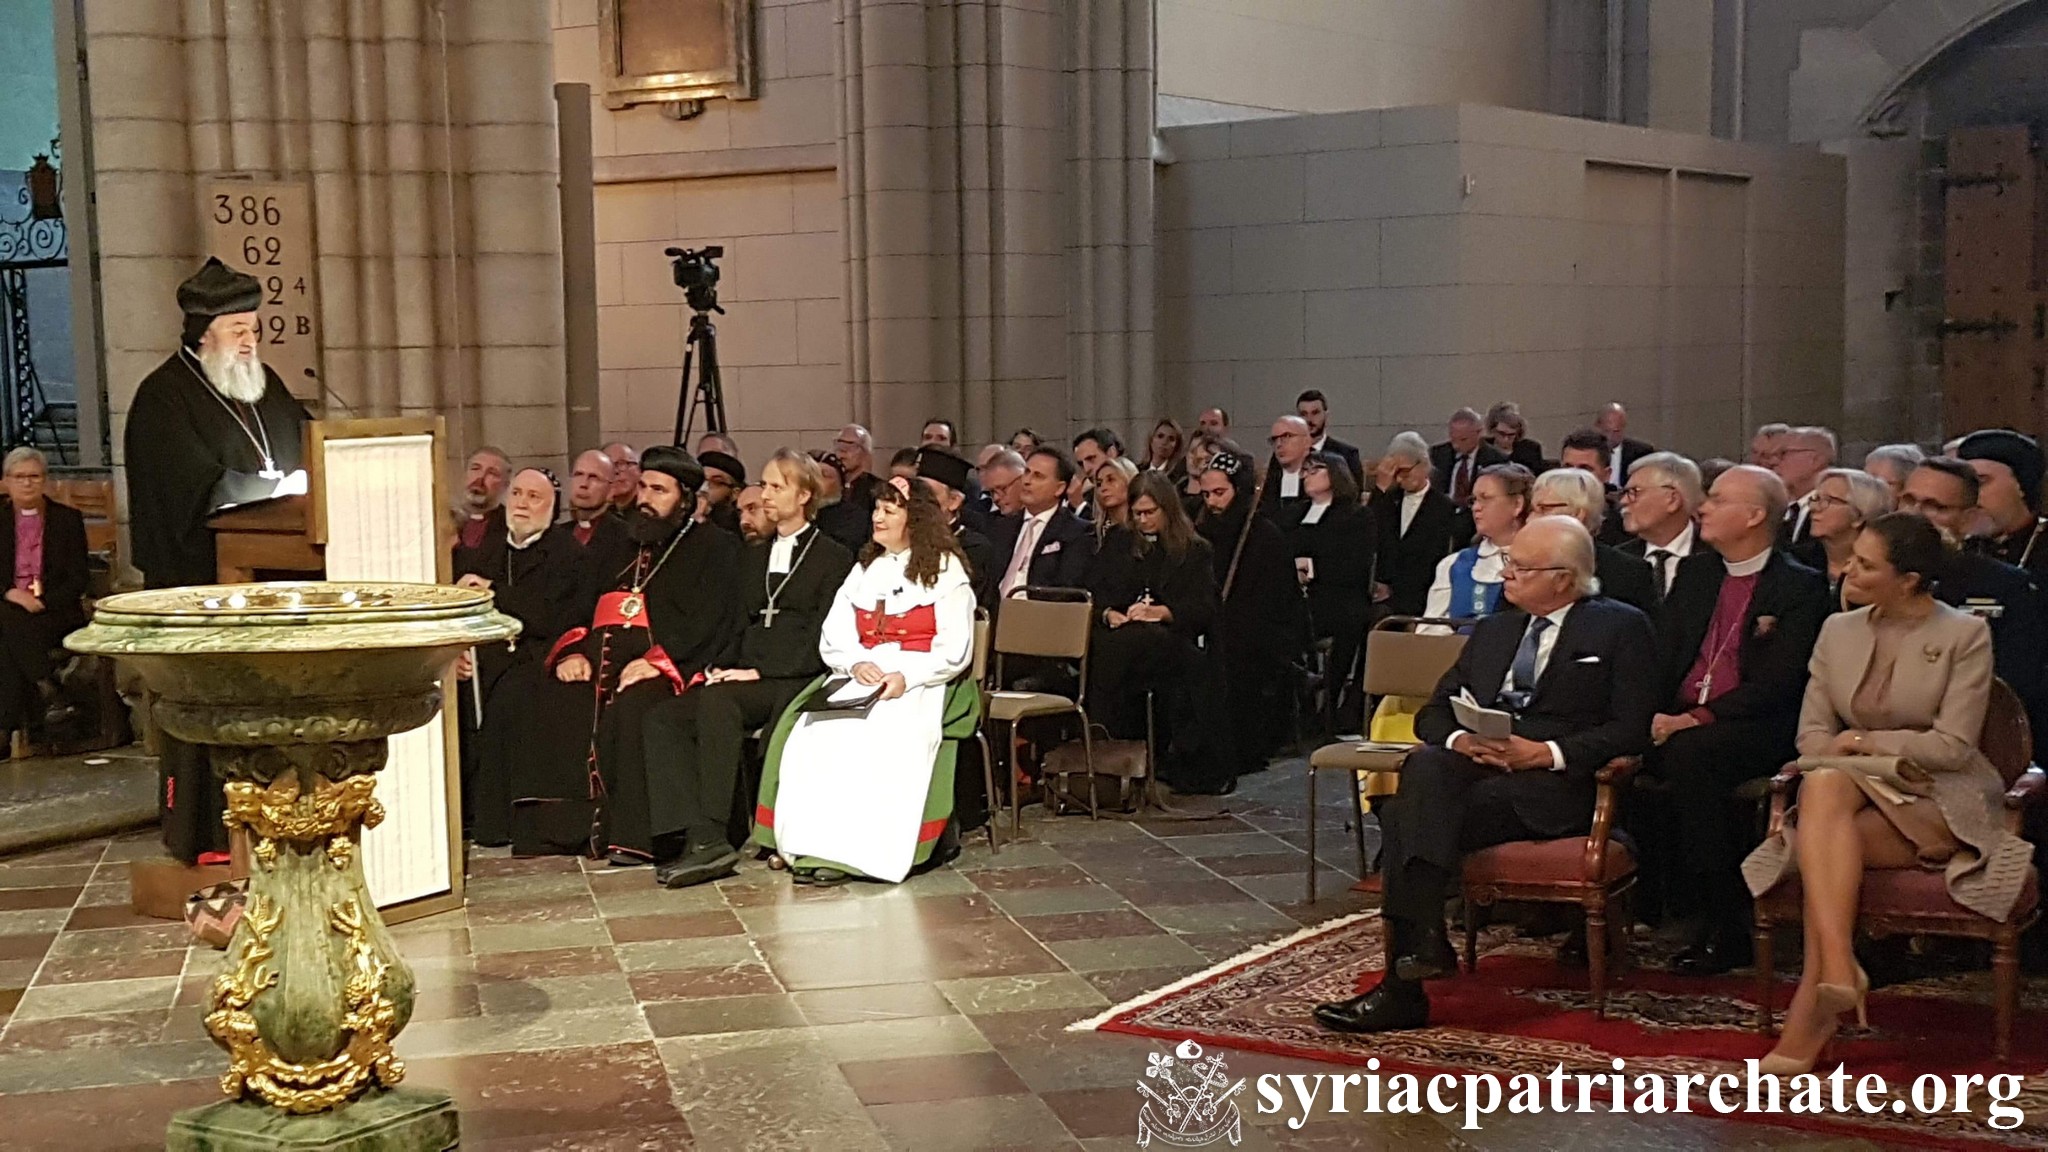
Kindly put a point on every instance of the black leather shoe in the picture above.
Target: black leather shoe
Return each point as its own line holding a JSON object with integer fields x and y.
{"x": 1434, "y": 960}
{"x": 1714, "y": 956}
{"x": 619, "y": 858}
{"x": 829, "y": 877}
{"x": 1392, "y": 1007}
{"x": 711, "y": 863}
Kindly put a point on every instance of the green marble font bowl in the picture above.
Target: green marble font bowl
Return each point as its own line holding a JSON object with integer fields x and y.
{"x": 293, "y": 662}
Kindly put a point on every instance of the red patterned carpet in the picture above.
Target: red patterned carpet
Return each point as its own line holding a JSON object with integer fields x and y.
{"x": 1521, "y": 1013}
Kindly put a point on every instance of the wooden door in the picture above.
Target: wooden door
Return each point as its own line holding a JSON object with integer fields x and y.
{"x": 1993, "y": 306}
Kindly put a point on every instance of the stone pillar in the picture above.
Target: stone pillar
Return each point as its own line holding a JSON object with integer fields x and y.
{"x": 995, "y": 164}
{"x": 426, "y": 131}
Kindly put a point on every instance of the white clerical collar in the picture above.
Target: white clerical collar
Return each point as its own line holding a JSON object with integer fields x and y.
{"x": 782, "y": 553}
{"x": 1408, "y": 497}
{"x": 1316, "y": 512}
{"x": 1749, "y": 567}
{"x": 28, "y": 511}
{"x": 513, "y": 539}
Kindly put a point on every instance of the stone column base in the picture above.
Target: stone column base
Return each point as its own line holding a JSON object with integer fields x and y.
{"x": 398, "y": 1120}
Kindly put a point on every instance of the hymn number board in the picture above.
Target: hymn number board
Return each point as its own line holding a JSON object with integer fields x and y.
{"x": 266, "y": 230}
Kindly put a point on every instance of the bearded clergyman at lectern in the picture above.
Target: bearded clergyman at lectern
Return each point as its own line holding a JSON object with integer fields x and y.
{"x": 211, "y": 428}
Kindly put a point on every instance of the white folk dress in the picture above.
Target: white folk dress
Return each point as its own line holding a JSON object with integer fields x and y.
{"x": 852, "y": 789}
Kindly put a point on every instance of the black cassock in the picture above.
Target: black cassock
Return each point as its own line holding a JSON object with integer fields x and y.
{"x": 1261, "y": 631}
{"x": 543, "y": 586}
{"x": 692, "y": 743}
{"x": 573, "y": 777}
{"x": 1167, "y": 660}
{"x": 190, "y": 451}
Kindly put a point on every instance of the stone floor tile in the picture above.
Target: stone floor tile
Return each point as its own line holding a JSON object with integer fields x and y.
{"x": 702, "y": 952}
{"x": 544, "y": 962}
{"x": 551, "y": 994}
{"x": 652, "y": 901}
{"x": 544, "y": 886}
{"x": 1202, "y": 888}
{"x": 638, "y": 1138}
{"x": 103, "y": 1030}
{"x": 117, "y": 966}
{"x": 681, "y": 926}
{"x": 122, "y": 1065}
{"x": 916, "y": 1079}
{"x": 1085, "y": 897}
{"x": 109, "y": 916}
{"x": 523, "y": 1032}
{"x": 131, "y": 1120}
{"x": 1169, "y": 829}
{"x": 1235, "y": 916}
{"x": 770, "y": 1091}
{"x": 84, "y": 852}
{"x": 804, "y": 960}
{"x": 982, "y": 995}
{"x": 482, "y": 865}
{"x": 1097, "y": 1112}
{"x": 1292, "y": 888}
{"x": 27, "y": 946}
{"x": 749, "y": 978}
{"x": 890, "y": 1039}
{"x": 870, "y": 1002}
{"x": 1227, "y": 844}
{"x": 1039, "y": 876}
{"x": 534, "y": 937}
{"x": 154, "y": 936}
{"x": 718, "y": 1014}
{"x": 546, "y": 909}
{"x": 1089, "y": 925}
{"x": 45, "y": 875}
{"x": 24, "y": 899}
{"x": 104, "y": 996}
{"x": 528, "y": 1095}
{"x": 1017, "y": 1121}
{"x": 35, "y": 920}
{"x": 446, "y": 1003}
{"x": 1118, "y": 952}
{"x": 1288, "y": 863}
{"x": 1119, "y": 985}
{"x": 1023, "y": 854}
{"x": 1050, "y": 1059}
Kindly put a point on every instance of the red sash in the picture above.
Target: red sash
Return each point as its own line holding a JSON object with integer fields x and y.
{"x": 914, "y": 630}
{"x": 621, "y": 610}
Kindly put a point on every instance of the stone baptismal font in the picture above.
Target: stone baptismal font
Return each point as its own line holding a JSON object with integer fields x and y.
{"x": 295, "y": 689}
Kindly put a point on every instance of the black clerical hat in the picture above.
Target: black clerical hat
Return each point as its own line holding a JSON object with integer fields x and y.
{"x": 218, "y": 290}
{"x": 674, "y": 462}
{"x": 725, "y": 462}
{"x": 943, "y": 466}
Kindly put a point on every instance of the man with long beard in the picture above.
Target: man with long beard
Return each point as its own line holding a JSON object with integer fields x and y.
{"x": 211, "y": 427}
{"x": 578, "y": 784}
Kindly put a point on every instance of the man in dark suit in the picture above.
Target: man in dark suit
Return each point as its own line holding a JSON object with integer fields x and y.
{"x": 1416, "y": 526}
{"x": 1576, "y": 671}
{"x": 1613, "y": 425}
{"x": 1312, "y": 407}
{"x": 1046, "y": 544}
{"x": 1458, "y": 461}
{"x": 1282, "y": 498}
{"x": 1735, "y": 633}
{"x": 946, "y": 475}
{"x": 1658, "y": 504}
{"x": 1575, "y": 493}
{"x": 43, "y": 554}
{"x": 1587, "y": 451}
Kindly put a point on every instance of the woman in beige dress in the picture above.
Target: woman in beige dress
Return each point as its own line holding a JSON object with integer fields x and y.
{"x": 1908, "y": 677}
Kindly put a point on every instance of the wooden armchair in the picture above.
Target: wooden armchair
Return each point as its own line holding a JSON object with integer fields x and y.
{"x": 1915, "y": 901}
{"x": 1591, "y": 871}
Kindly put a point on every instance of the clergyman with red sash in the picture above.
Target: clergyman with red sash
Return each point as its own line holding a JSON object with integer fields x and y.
{"x": 578, "y": 782}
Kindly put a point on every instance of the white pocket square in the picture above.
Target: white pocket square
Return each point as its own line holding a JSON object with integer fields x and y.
{"x": 1049, "y": 549}
{"x": 1587, "y": 660}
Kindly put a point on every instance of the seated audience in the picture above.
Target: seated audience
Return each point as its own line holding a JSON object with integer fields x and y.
{"x": 1905, "y": 677}
{"x": 1892, "y": 463}
{"x": 903, "y": 464}
{"x": 1843, "y": 502}
{"x": 1711, "y": 469}
{"x": 939, "y": 432}
{"x": 1733, "y": 634}
{"x": 1314, "y": 408}
{"x": 844, "y": 522}
{"x": 999, "y": 481}
{"x": 857, "y": 794}
{"x": 1202, "y": 447}
{"x": 2009, "y": 468}
{"x": 1333, "y": 547}
{"x": 1262, "y": 631}
{"x": 1803, "y": 454}
{"x": 625, "y": 477}
{"x": 753, "y": 521}
{"x": 1213, "y": 422}
{"x": 1663, "y": 494}
{"x": 1613, "y": 424}
{"x": 1415, "y": 523}
{"x": 1766, "y": 445}
{"x": 482, "y": 516}
{"x": 1944, "y": 490}
{"x": 724, "y": 476}
{"x": 46, "y": 557}
{"x": 1588, "y": 451}
{"x": 1468, "y": 582}
{"x": 1166, "y": 451}
{"x": 1024, "y": 441}
{"x": 1577, "y": 672}
{"x": 1094, "y": 446}
{"x": 717, "y": 442}
{"x": 1154, "y": 589}
{"x": 787, "y": 584}
{"x": 1281, "y": 497}
{"x": 599, "y": 535}
{"x": 1576, "y": 493}
{"x": 946, "y": 476}
{"x": 1113, "y": 478}
{"x": 1045, "y": 544}
{"x": 855, "y": 448}
{"x": 1509, "y": 433}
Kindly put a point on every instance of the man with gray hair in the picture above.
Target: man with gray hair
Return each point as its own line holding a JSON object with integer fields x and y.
{"x": 1803, "y": 454}
{"x": 999, "y": 481}
{"x": 1658, "y": 504}
{"x": 1415, "y": 521}
{"x": 1460, "y": 792}
{"x": 1736, "y": 630}
{"x": 1577, "y": 493}
{"x": 856, "y": 452}
{"x": 1893, "y": 463}
{"x": 1464, "y": 453}
{"x": 45, "y": 556}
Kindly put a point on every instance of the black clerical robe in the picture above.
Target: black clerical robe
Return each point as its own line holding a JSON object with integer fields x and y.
{"x": 1169, "y": 662}
{"x": 676, "y": 607}
{"x": 541, "y": 585}
{"x": 693, "y": 743}
{"x": 189, "y": 451}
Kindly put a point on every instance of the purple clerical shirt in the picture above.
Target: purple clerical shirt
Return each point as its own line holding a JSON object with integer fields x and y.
{"x": 1718, "y": 668}
{"x": 28, "y": 548}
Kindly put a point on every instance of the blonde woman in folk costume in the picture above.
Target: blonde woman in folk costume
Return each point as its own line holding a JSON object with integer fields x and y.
{"x": 870, "y": 794}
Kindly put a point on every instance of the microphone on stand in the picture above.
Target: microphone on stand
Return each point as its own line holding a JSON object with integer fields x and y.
{"x": 329, "y": 392}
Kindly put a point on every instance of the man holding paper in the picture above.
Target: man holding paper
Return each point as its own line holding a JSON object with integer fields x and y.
{"x": 1567, "y": 678}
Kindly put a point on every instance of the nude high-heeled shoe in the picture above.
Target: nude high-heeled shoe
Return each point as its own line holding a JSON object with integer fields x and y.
{"x": 1839, "y": 998}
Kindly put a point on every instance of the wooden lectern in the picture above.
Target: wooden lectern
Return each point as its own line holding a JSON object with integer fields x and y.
{"x": 374, "y": 509}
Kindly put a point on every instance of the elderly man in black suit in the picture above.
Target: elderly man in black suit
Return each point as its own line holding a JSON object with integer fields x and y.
{"x": 1735, "y": 633}
{"x": 44, "y": 555}
{"x": 1462, "y": 456}
{"x": 1046, "y": 544}
{"x": 1314, "y": 408}
{"x": 1416, "y": 526}
{"x": 1613, "y": 425}
{"x": 1576, "y": 671}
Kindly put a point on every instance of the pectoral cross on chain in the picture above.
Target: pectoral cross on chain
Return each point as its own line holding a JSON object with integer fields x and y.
{"x": 768, "y": 616}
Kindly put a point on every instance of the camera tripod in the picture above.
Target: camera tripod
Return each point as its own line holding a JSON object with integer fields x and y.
{"x": 700, "y": 346}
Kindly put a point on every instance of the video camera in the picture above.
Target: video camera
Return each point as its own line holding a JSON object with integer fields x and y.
{"x": 697, "y": 276}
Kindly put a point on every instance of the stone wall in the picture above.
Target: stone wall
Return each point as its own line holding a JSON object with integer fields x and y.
{"x": 1410, "y": 261}
{"x": 427, "y": 135}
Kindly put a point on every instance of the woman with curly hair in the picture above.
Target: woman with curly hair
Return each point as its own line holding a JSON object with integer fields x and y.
{"x": 857, "y": 791}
